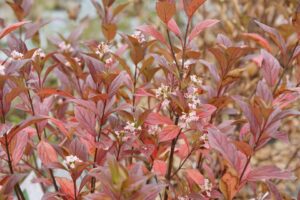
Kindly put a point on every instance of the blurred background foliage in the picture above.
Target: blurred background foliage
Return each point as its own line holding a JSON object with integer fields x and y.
{"x": 237, "y": 17}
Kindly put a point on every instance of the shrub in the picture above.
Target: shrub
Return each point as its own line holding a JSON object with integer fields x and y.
{"x": 149, "y": 115}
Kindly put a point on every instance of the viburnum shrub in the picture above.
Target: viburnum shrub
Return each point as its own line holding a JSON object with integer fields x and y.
{"x": 149, "y": 115}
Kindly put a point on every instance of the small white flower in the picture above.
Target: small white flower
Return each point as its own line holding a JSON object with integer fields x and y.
{"x": 165, "y": 104}
{"x": 71, "y": 160}
{"x": 185, "y": 119}
{"x": 16, "y": 55}
{"x": 153, "y": 129}
{"x": 77, "y": 60}
{"x": 207, "y": 187}
{"x": 102, "y": 49}
{"x": 39, "y": 53}
{"x": 162, "y": 92}
{"x": 2, "y": 70}
{"x": 139, "y": 36}
{"x": 196, "y": 80}
{"x": 109, "y": 61}
{"x": 131, "y": 127}
{"x": 64, "y": 47}
{"x": 68, "y": 64}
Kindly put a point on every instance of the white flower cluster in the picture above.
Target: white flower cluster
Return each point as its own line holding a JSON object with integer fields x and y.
{"x": 196, "y": 80}
{"x": 15, "y": 55}
{"x": 39, "y": 53}
{"x": 153, "y": 129}
{"x": 71, "y": 160}
{"x": 102, "y": 49}
{"x": 193, "y": 98}
{"x": 162, "y": 92}
{"x": 2, "y": 70}
{"x": 207, "y": 187}
{"x": 131, "y": 127}
{"x": 185, "y": 119}
{"x": 65, "y": 48}
{"x": 109, "y": 61}
{"x": 204, "y": 139}
{"x": 139, "y": 36}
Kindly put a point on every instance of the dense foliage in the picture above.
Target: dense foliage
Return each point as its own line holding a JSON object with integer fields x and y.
{"x": 161, "y": 113}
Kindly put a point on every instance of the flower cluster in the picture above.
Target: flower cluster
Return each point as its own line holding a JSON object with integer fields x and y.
{"x": 102, "y": 49}
{"x": 185, "y": 119}
{"x": 139, "y": 36}
{"x": 71, "y": 161}
{"x": 65, "y": 47}
{"x": 2, "y": 70}
{"x": 193, "y": 98}
{"x": 207, "y": 187}
{"x": 39, "y": 53}
{"x": 15, "y": 55}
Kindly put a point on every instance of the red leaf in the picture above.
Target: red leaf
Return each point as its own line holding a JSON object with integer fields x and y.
{"x": 116, "y": 84}
{"x": 159, "y": 167}
{"x": 168, "y": 133}
{"x": 165, "y": 10}
{"x": 219, "y": 142}
{"x": 157, "y": 119}
{"x": 79, "y": 149}
{"x": 270, "y": 68}
{"x": 201, "y": 27}
{"x": 50, "y": 91}
{"x": 269, "y": 172}
{"x": 150, "y": 30}
{"x": 190, "y": 6}
{"x": 195, "y": 175}
{"x": 205, "y": 111}
{"x": 86, "y": 119}
{"x": 21, "y": 143}
{"x": 11, "y": 28}
{"x": 11, "y": 182}
{"x": 258, "y": 39}
{"x": 274, "y": 34}
{"x": 66, "y": 186}
{"x": 46, "y": 153}
{"x": 172, "y": 25}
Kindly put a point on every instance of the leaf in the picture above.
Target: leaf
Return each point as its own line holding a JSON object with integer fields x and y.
{"x": 79, "y": 149}
{"x": 150, "y": 30}
{"x": 195, "y": 175}
{"x": 201, "y": 26}
{"x": 46, "y": 153}
{"x": 224, "y": 41}
{"x": 244, "y": 147}
{"x": 274, "y": 190}
{"x": 157, "y": 119}
{"x": 86, "y": 119}
{"x": 219, "y": 142}
{"x": 274, "y": 34}
{"x": 116, "y": 84}
{"x": 172, "y": 25}
{"x": 205, "y": 111}
{"x": 11, "y": 28}
{"x": 269, "y": 172}
{"x": 165, "y": 9}
{"x": 258, "y": 39}
{"x": 19, "y": 147}
{"x": 66, "y": 186}
{"x": 159, "y": 167}
{"x": 168, "y": 133}
{"x": 109, "y": 31}
{"x": 191, "y": 6}
{"x": 229, "y": 184}
{"x": 11, "y": 182}
{"x": 45, "y": 92}
{"x": 270, "y": 68}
